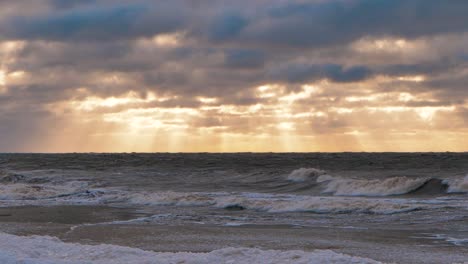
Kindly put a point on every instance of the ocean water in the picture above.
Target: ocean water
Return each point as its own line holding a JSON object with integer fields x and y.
{"x": 234, "y": 208}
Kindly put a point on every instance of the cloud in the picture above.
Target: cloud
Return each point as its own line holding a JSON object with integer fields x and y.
{"x": 332, "y": 70}
{"x": 334, "y": 22}
{"x": 304, "y": 24}
{"x": 66, "y": 4}
{"x": 300, "y": 73}
{"x": 99, "y": 23}
{"x": 227, "y": 26}
{"x": 241, "y": 58}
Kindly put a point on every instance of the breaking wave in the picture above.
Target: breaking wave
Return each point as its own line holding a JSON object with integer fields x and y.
{"x": 457, "y": 185}
{"x": 385, "y": 187}
{"x": 340, "y": 186}
{"x": 45, "y": 250}
{"x": 19, "y": 190}
{"x": 275, "y": 203}
{"x": 304, "y": 174}
{"x": 451, "y": 240}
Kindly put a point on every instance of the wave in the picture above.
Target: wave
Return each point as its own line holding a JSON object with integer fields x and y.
{"x": 276, "y": 203}
{"x": 323, "y": 205}
{"x": 339, "y": 186}
{"x": 83, "y": 193}
{"x": 20, "y": 190}
{"x": 304, "y": 174}
{"x": 385, "y": 187}
{"x": 77, "y": 194}
{"x": 457, "y": 185}
{"x": 23, "y": 191}
{"x": 379, "y": 187}
{"x": 43, "y": 249}
{"x": 449, "y": 239}
{"x": 10, "y": 177}
{"x": 392, "y": 186}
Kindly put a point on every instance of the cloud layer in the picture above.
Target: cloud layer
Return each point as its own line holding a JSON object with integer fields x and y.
{"x": 101, "y": 75}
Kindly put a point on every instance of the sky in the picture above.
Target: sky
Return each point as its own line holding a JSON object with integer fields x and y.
{"x": 233, "y": 76}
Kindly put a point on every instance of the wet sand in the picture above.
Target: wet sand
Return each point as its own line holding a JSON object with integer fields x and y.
{"x": 90, "y": 225}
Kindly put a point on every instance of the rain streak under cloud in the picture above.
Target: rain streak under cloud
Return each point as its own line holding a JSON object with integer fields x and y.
{"x": 183, "y": 76}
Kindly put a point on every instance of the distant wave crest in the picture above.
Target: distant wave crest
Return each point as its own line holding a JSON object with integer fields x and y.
{"x": 361, "y": 187}
{"x": 304, "y": 174}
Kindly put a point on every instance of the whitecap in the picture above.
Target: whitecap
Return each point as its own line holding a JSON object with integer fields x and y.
{"x": 457, "y": 185}
{"x": 304, "y": 174}
{"x": 360, "y": 187}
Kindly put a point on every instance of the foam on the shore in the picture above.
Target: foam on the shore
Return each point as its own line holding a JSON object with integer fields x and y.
{"x": 48, "y": 250}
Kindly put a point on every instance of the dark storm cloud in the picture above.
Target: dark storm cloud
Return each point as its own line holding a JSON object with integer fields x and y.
{"x": 239, "y": 58}
{"x": 304, "y": 24}
{"x": 227, "y": 26}
{"x": 100, "y": 23}
{"x": 64, "y": 4}
{"x": 301, "y": 73}
{"x": 440, "y": 66}
{"x": 334, "y": 22}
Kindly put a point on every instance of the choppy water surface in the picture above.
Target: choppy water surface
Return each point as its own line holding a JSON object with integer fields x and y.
{"x": 423, "y": 193}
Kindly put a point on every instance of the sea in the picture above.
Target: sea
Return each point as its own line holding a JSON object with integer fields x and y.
{"x": 234, "y": 208}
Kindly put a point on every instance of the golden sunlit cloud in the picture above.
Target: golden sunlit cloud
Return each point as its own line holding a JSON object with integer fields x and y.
{"x": 2, "y": 78}
{"x": 8, "y": 47}
{"x": 168, "y": 40}
{"x": 363, "y": 98}
{"x": 91, "y": 103}
{"x": 387, "y": 45}
{"x": 286, "y": 118}
{"x": 425, "y": 113}
{"x": 3, "y": 88}
{"x": 417, "y": 78}
{"x": 207, "y": 100}
{"x": 307, "y": 91}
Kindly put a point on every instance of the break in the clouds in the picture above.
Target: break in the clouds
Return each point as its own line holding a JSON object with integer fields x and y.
{"x": 319, "y": 75}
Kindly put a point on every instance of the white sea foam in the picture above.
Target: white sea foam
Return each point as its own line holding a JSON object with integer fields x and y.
{"x": 52, "y": 193}
{"x": 360, "y": 187}
{"x": 20, "y": 194}
{"x": 324, "y": 178}
{"x": 174, "y": 198}
{"x": 304, "y": 174}
{"x": 22, "y": 191}
{"x": 451, "y": 240}
{"x": 457, "y": 185}
{"x": 48, "y": 250}
{"x": 322, "y": 204}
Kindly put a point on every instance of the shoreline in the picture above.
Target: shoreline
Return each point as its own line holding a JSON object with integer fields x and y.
{"x": 94, "y": 226}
